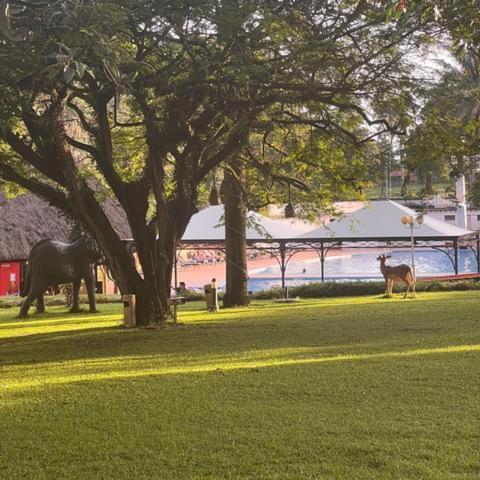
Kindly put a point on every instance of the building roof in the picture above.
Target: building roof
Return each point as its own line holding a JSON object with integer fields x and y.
{"x": 208, "y": 226}
{"x": 26, "y": 219}
{"x": 380, "y": 220}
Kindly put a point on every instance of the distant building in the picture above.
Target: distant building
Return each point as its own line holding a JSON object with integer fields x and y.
{"x": 455, "y": 211}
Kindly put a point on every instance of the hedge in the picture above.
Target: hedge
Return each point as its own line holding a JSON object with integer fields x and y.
{"x": 310, "y": 290}
{"x": 53, "y": 300}
{"x": 351, "y": 289}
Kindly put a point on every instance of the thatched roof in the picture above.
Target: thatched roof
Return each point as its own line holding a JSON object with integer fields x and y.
{"x": 26, "y": 219}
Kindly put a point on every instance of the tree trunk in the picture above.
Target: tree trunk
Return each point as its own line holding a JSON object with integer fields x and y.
{"x": 152, "y": 288}
{"x": 236, "y": 292}
{"x": 428, "y": 184}
{"x": 405, "y": 183}
{"x": 157, "y": 257}
{"x": 155, "y": 249}
{"x": 120, "y": 260}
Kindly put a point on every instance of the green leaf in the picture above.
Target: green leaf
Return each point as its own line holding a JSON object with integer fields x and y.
{"x": 69, "y": 73}
{"x": 51, "y": 71}
{"x": 61, "y": 58}
{"x": 80, "y": 70}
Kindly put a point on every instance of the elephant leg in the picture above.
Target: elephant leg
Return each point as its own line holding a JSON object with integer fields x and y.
{"x": 32, "y": 295}
{"x": 90, "y": 284}
{"x": 40, "y": 303}
{"x": 75, "y": 308}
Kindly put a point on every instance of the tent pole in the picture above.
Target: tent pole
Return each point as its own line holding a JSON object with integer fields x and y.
{"x": 283, "y": 267}
{"x": 175, "y": 272}
{"x": 478, "y": 253}
{"x": 455, "y": 245}
{"x": 322, "y": 261}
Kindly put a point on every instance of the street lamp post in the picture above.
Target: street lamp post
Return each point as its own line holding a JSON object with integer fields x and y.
{"x": 410, "y": 222}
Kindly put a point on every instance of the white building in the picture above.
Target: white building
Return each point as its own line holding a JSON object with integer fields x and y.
{"x": 454, "y": 211}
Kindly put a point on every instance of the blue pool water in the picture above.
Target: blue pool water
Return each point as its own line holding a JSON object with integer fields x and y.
{"x": 362, "y": 266}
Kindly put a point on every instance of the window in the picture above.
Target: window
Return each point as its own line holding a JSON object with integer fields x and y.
{"x": 478, "y": 218}
{"x": 449, "y": 218}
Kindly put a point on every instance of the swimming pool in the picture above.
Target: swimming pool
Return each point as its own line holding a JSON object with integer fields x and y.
{"x": 361, "y": 266}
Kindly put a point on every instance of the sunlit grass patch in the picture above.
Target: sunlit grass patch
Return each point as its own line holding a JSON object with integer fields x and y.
{"x": 56, "y": 320}
{"x": 335, "y": 388}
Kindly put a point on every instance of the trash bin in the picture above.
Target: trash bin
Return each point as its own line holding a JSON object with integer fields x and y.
{"x": 211, "y": 296}
{"x": 129, "y": 318}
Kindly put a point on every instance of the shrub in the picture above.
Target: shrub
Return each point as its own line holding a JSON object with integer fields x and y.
{"x": 60, "y": 300}
{"x": 56, "y": 300}
{"x": 309, "y": 290}
{"x": 351, "y": 289}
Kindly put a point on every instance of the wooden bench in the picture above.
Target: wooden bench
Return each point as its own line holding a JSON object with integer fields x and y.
{"x": 174, "y": 302}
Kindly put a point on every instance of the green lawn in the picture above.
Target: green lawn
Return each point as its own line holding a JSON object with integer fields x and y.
{"x": 354, "y": 388}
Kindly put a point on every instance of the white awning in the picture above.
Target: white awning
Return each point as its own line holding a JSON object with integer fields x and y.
{"x": 208, "y": 226}
{"x": 381, "y": 220}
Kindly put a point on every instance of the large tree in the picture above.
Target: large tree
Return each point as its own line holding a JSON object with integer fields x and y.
{"x": 142, "y": 99}
{"x": 305, "y": 169}
{"x": 448, "y": 126}
{"x": 236, "y": 267}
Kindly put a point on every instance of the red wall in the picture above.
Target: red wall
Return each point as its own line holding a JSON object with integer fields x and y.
{"x": 9, "y": 278}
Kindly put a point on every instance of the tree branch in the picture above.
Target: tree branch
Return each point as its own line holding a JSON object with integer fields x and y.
{"x": 83, "y": 146}
{"x": 52, "y": 195}
{"x": 81, "y": 116}
{"x": 33, "y": 158}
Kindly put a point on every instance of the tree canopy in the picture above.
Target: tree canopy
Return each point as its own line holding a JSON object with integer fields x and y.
{"x": 141, "y": 100}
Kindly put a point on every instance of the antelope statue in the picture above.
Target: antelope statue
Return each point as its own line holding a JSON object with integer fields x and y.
{"x": 400, "y": 273}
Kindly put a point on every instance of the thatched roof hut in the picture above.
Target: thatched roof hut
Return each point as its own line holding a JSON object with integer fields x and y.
{"x": 26, "y": 219}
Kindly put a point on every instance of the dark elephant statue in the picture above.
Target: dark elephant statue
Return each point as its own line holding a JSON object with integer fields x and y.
{"x": 52, "y": 263}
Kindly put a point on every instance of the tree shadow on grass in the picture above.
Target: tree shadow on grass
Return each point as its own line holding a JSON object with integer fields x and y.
{"x": 321, "y": 326}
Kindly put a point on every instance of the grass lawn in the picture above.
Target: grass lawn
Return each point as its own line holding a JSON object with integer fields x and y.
{"x": 354, "y": 388}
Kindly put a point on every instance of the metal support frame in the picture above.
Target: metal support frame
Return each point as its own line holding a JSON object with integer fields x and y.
{"x": 448, "y": 252}
{"x": 475, "y": 254}
{"x": 322, "y": 252}
{"x": 476, "y": 251}
{"x": 322, "y": 261}
{"x": 283, "y": 267}
{"x": 175, "y": 271}
{"x": 455, "y": 265}
{"x": 284, "y": 250}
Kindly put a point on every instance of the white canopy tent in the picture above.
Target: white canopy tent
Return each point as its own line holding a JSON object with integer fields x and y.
{"x": 380, "y": 220}
{"x": 379, "y": 224}
{"x": 206, "y": 230}
{"x": 207, "y": 226}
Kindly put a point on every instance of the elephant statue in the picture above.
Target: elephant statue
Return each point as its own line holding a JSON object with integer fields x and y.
{"x": 52, "y": 263}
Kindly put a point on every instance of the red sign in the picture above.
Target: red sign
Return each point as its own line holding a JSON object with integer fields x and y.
{"x": 10, "y": 278}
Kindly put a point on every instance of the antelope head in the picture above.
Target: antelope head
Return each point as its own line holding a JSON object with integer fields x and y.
{"x": 383, "y": 258}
